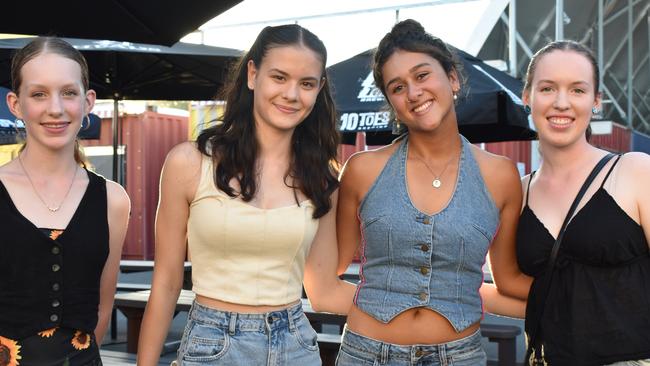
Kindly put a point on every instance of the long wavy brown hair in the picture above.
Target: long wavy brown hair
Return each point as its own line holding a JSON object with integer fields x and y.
{"x": 233, "y": 144}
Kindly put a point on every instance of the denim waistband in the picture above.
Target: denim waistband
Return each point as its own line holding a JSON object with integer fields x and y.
{"x": 251, "y": 322}
{"x": 372, "y": 347}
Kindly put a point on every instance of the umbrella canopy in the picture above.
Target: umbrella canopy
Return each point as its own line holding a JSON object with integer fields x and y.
{"x": 123, "y": 70}
{"x": 488, "y": 110}
{"x": 161, "y": 22}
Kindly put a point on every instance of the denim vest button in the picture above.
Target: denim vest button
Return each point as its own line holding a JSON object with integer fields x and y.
{"x": 424, "y": 247}
{"x": 418, "y": 353}
{"x": 423, "y": 296}
{"x": 424, "y": 270}
{"x": 426, "y": 221}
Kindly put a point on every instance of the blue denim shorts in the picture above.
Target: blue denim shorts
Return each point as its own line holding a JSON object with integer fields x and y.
{"x": 278, "y": 338}
{"x": 357, "y": 350}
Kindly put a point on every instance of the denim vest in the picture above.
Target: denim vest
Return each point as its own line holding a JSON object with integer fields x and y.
{"x": 410, "y": 259}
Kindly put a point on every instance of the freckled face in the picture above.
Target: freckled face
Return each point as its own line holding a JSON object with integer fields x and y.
{"x": 419, "y": 90}
{"x": 561, "y": 97}
{"x": 51, "y": 100}
{"x": 285, "y": 86}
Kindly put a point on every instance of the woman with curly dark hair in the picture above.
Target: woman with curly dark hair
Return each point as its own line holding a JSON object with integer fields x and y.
{"x": 256, "y": 199}
{"x": 425, "y": 210}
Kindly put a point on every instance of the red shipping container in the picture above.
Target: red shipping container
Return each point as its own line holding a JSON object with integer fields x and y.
{"x": 147, "y": 138}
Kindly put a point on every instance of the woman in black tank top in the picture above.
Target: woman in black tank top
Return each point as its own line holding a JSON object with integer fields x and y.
{"x": 597, "y": 309}
{"x": 62, "y": 226}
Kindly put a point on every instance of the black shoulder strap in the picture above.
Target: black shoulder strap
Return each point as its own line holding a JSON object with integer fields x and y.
{"x": 530, "y": 179}
{"x": 534, "y": 338}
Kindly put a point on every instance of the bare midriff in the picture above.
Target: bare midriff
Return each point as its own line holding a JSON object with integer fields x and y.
{"x": 240, "y": 308}
{"x": 414, "y": 326}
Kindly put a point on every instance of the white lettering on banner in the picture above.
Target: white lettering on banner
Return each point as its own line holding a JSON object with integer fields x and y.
{"x": 369, "y": 92}
{"x": 11, "y": 124}
{"x": 364, "y": 121}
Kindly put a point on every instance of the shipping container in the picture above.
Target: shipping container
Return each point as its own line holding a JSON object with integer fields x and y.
{"x": 147, "y": 138}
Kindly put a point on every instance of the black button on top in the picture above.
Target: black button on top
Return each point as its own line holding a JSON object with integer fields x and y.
{"x": 56, "y": 250}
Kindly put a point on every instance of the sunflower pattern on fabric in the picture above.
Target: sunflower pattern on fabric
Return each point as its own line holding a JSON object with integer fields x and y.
{"x": 81, "y": 340}
{"x": 9, "y": 352}
{"x": 55, "y": 234}
{"x": 47, "y": 333}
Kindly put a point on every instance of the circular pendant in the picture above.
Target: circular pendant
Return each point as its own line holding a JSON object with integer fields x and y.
{"x": 436, "y": 183}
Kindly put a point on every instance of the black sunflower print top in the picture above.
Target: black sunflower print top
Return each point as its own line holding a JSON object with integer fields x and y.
{"x": 51, "y": 347}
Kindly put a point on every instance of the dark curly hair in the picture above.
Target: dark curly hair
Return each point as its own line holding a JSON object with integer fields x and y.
{"x": 409, "y": 35}
{"x": 233, "y": 145}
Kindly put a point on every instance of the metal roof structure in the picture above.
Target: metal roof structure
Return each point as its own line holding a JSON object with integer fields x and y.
{"x": 618, "y": 31}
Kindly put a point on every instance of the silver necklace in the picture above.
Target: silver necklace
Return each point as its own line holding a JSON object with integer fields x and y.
{"x": 51, "y": 209}
{"x": 436, "y": 183}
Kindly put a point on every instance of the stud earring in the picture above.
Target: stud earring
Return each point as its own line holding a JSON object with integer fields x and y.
{"x": 527, "y": 109}
{"x": 595, "y": 110}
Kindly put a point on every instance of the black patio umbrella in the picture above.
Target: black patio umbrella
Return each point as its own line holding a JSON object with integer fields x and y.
{"x": 161, "y": 22}
{"x": 489, "y": 108}
{"x": 123, "y": 70}
{"x": 10, "y": 127}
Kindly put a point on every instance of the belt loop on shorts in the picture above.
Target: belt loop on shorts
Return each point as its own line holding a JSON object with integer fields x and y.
{"x": 232, "y": 325}
{"x": 383, "y": 354}
{"x": 442, "y": 352}
{"x": 292, "y": 325}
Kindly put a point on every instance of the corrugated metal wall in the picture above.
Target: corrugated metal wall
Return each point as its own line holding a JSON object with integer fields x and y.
{"x": 147, "y": 137}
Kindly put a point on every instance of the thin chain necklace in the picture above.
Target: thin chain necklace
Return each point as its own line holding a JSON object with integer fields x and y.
{"x": 51, "y": 209}
{"x": 436, "y": 183}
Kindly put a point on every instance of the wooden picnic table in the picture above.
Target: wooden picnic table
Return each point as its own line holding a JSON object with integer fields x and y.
{"x": 132, "y": 305}
{"x": 136, "y": 265}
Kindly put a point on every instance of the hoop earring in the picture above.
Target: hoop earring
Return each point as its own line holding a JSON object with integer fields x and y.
{"x": 527, "y": 109}
{"x": 87, "y": 118}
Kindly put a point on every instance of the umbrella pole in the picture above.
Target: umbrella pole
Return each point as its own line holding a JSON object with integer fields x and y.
{"x": 114, "y": 126}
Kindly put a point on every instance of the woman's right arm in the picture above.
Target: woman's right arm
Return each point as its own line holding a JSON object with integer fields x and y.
{"x": 179, "y": 179}
{"x": 347, "y": 222}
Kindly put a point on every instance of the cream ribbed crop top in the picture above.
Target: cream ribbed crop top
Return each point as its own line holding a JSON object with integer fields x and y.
{"x": 244, "y": 254}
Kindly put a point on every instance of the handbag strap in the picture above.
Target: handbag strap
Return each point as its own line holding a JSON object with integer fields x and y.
{"x": 554, "y": 252}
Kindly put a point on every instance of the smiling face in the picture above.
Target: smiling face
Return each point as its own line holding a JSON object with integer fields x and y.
{"x": 561, "y": 96}
{"x": 419, "y": 90}
{"x": 285, "y": 86}
{"x": 51, "y": 100}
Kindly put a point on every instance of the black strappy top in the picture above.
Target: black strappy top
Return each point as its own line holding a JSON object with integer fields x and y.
{"x": 598, "y": 307}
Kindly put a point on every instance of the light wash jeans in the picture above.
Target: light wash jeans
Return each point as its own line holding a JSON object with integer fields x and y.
{"x": 278, "y": 338}
{"x": 357, "y": 350}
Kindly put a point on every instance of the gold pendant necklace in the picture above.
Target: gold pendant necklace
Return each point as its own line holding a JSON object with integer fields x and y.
{"x": 436, "y": 183}
{"x": 51, "y": 209}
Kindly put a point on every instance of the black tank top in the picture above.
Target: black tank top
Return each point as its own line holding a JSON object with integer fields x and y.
{"x": 47, "y": 283}
{"x": 598, "y": 307}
